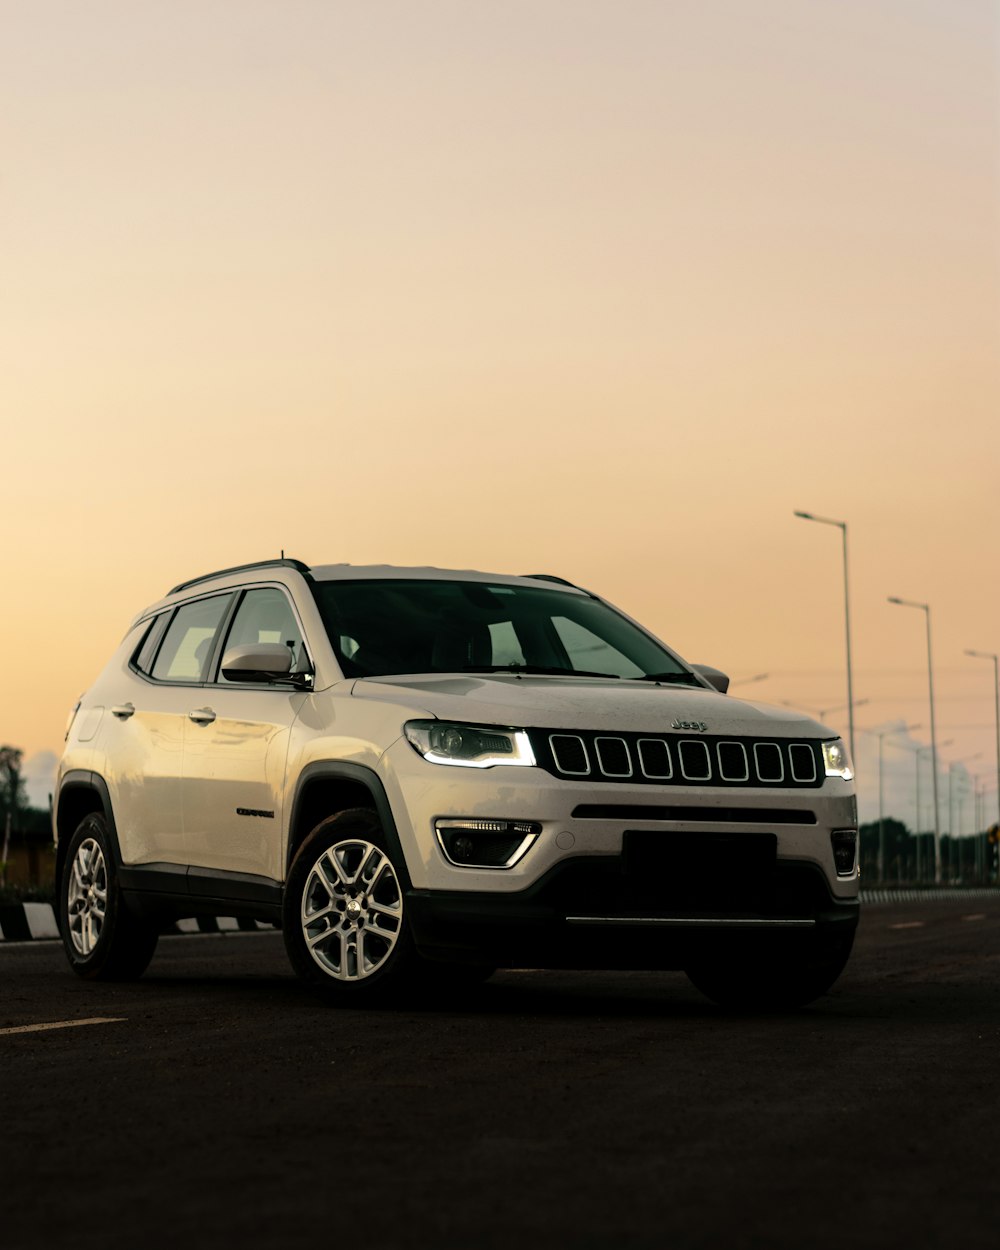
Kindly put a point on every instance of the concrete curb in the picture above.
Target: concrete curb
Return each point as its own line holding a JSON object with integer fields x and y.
{"x": 939, "y": 895}
{"x": 29, "y": 922}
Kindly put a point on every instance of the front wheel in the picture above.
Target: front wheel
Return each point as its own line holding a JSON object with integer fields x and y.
{"x": 103, "y": 940}
{"x": 769, "y": 980}
{"x": 345, "y": 924}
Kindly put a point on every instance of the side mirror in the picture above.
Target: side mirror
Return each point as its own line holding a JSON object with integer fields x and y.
{"x": 715, "y": 678}
{"x": 257, "y": 661}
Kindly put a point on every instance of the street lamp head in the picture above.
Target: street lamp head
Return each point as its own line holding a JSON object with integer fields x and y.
{"x": 823, "y": 520}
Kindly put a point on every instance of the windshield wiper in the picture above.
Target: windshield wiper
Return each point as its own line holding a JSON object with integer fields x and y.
{"x": 531, "y": 669}
{"x": 671, "y": 679}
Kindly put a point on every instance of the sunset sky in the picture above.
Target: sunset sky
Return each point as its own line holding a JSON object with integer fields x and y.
{"x": 605, "y": 288}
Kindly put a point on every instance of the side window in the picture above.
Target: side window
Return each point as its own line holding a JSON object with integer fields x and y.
{"x": 265, "y": 615}
{"x": 143, "y": 659}
{"x": 187, "y": 645}
{"x": 587, "y": 651}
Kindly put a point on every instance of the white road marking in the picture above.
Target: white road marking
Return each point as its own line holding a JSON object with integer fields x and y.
{"x": 64, "y": 1024}
{"x": 980, "y": 915}
{"x": 909, "y": 924}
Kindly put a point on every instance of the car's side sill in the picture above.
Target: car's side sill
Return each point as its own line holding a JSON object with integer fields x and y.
{"x": 716, "y": 922}
{"x": 184, "y": 891}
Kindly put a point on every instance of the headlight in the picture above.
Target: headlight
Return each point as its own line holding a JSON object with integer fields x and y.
{"x": 469, "y": 746}
{"x": 837, "y": 761}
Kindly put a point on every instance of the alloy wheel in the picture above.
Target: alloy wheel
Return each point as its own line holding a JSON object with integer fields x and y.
{"x": 87, "y": 900}
{"x": 352, "y": 910}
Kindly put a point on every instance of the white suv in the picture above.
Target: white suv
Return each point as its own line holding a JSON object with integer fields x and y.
{"x": 422, "y": 774}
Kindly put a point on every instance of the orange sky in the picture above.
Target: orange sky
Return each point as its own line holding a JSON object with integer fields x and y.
{"x": 603, "y": 289}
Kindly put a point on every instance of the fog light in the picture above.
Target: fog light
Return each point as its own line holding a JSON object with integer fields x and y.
{"x": 485, "y": 843}
{"x": 845, "y": 850}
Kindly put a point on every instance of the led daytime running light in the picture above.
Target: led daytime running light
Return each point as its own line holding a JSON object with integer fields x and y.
{"x": 469, "y": 746}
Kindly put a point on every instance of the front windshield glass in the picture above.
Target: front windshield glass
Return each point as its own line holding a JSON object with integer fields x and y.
{"x": 402, "y": 626}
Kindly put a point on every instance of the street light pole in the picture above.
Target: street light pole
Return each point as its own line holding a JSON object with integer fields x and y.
{"x": 925, "y": 608}
{"x": 842, "y": 526}
{"x": 988, "y": 655}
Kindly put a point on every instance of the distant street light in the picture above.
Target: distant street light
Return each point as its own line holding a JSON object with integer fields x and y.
{"x": 823, "y": 712}
{"x": 988, "y": 655}
{"x": 925, "y": 608}
{"x": 882, "y": 734}
{"x": 917, "y": 754}
{"x": 746, "y": 681}
{"x": 842, "y": 526}
{"x": 956, "y": 853}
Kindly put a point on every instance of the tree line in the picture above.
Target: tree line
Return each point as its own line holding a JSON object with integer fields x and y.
{"x": 17, "y": 818}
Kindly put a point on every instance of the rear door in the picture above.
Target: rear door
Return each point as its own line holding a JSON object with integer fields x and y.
{"x": 145, "y": 730}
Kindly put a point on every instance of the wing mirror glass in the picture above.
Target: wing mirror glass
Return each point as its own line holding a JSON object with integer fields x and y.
{"x": 714, "y": 676}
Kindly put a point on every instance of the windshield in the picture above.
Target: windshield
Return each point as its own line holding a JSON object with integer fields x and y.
{"x": 401, "y": 626}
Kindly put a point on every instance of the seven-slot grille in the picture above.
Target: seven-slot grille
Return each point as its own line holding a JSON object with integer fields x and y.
{"x": 679, "y": 759}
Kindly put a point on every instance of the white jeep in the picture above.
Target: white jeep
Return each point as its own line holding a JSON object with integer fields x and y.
{"x": 424, "y": 775}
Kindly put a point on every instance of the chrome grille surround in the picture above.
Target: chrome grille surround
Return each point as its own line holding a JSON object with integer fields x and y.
{"x": 799, "y": 751}
{"x": 672, "y": 759}
{"x": 689, "y": 751}
{"x": 745, "y": 774}
{"x": 611, "y": 746}
{"x": 772, "y": 749}
{"x": 559, "y": 745}
{"x": 648, "y": 749}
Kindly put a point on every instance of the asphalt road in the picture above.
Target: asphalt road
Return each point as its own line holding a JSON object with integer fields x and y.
{"x": 226, "y": 1107}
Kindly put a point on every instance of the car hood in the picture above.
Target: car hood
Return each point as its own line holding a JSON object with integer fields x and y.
{"x": 585, "y": 703}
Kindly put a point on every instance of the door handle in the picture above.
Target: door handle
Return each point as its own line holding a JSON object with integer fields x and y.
{"x": 202, "y": 716}
{"x": 123, "y": 711}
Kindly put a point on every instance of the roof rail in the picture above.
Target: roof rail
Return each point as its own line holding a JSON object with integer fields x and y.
{"x": 550, "y": 577}
{"x": 240, "y": 568}
{"x": 563, "y": 581}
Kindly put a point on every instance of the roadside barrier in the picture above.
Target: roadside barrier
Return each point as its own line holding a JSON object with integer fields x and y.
{"x": 934, "y": 895}
{"x": 28, "y": 922}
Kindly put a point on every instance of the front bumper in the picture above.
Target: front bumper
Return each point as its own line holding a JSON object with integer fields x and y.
{"x": 589, "y": 821}
{"x": 591, "y": 912}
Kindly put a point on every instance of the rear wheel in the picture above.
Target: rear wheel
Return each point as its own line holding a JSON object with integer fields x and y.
{"x": 103, "y": 940}
{"x": 770, "y": 981}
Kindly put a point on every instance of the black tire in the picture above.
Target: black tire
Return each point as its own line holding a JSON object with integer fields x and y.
{"x": 769, "y": 980}
{"x": 384, "y": 966}
{"x": 115, "y": 946}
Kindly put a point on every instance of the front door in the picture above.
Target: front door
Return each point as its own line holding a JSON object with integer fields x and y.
{"x": 235, "y": 753}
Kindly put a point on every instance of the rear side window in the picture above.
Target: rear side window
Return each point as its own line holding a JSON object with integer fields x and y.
{"x": 187, "y": 646}
{"x": 143, "y": 660}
